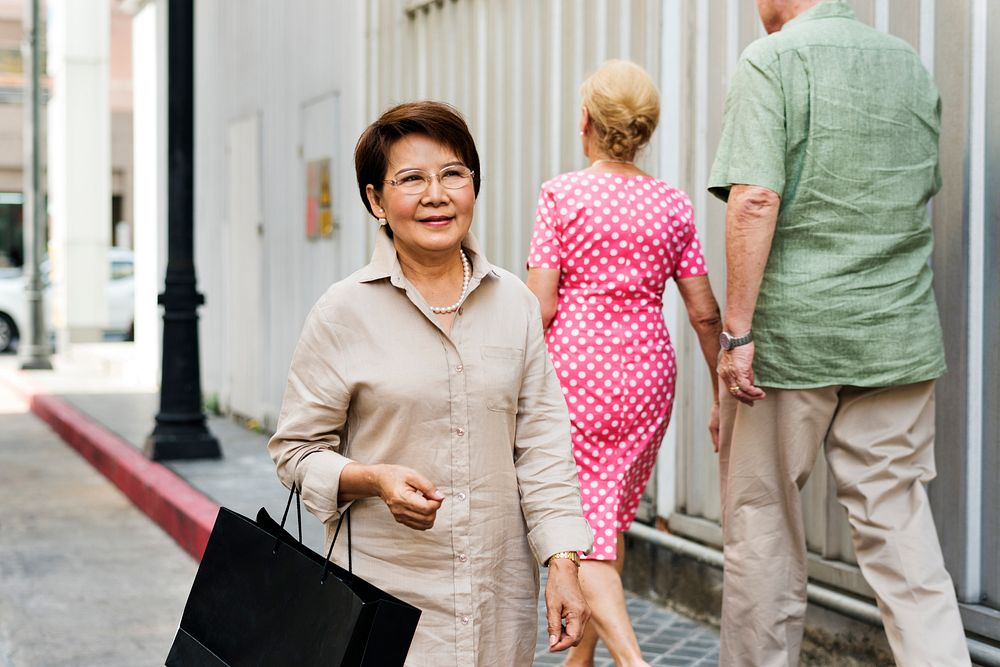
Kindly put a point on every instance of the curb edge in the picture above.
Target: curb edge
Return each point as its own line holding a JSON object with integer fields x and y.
{"x": 180, "y": 510}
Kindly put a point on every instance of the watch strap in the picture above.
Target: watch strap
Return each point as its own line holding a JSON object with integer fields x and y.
{"x": 735, "y": 341}
{"x": 567, "y": 555}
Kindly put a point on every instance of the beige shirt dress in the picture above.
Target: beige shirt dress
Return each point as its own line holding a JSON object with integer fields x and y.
{"x": 479, "y": 412}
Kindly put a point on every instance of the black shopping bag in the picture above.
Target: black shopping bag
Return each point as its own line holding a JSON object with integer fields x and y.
{"x": 262, "y": 598}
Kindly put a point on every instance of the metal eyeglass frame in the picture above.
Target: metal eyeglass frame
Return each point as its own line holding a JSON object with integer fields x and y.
{"x": 428, "y": 179}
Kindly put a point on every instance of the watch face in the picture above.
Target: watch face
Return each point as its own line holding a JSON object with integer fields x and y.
{"x": 726, "y": 341}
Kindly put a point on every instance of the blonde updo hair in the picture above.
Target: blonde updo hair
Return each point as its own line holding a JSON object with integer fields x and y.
{"x": 624, "y": 107}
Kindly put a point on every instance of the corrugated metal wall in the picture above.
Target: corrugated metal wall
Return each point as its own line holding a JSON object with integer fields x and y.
{"x": 514, "y": 67}
{"x": 991, "y": 323}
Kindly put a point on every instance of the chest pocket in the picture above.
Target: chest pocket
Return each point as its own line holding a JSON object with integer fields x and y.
{"x": 502, "y": 369}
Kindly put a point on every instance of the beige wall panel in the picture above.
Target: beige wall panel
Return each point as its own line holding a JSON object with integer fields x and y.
{"x": 533, "y": 168}
{"x": 991, "y": 396}
{"x": 865, "y": 9}
{"x": 709, "y": 52}
{"x": 11, "y": 180}
{"x": 750, "y": 25}
{"x": 904, "y": 21}
{"x": 11, "y": 129}
{"x": 950, "y": 209}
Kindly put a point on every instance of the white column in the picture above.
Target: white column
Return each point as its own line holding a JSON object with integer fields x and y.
{"x": 79, "y": 119}
{"x": 149, "y": 136}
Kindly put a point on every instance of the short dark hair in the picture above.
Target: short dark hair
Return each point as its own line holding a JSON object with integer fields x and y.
{"x": 437, "y": 120}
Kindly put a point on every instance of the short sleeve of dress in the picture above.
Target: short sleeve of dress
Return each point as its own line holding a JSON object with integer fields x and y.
{"x": 546, "y": 240}
{"x": 690, "y": 261}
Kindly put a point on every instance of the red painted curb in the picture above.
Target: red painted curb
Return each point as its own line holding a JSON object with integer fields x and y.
{"x": 182, "y": 511}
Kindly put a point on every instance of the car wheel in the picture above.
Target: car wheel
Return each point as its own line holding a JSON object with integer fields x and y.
{"x": 8, "y": 332}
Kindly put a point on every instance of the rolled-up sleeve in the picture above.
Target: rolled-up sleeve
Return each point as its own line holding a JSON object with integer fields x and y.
{"x": 543, "y": 456}
{"x": 306, "y": 445}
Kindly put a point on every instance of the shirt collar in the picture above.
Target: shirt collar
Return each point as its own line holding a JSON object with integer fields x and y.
{"x": 828, "y": 9}
{"x": 385, "y": 262}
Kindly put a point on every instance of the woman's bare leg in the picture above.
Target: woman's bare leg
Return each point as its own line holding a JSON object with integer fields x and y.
{"x": 602, "y": 585}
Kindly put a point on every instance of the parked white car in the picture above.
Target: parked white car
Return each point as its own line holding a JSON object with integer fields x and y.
{"x": 120, "y": 291}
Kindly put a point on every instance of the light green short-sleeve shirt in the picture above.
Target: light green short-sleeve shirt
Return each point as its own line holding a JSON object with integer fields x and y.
{"x": 842, "y": 122}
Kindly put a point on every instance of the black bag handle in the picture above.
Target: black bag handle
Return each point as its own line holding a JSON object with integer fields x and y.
{"x": 350, "y": 559}
{"x": 298, "y": 511}
{"x": 294, "y": 491}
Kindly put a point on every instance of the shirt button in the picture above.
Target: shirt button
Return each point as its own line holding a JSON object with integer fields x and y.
{"x": 463, "y": 557}
{"x": 465, "y": 620}
{"x": 461, "y": 495}
{"x": 459, "y": 368}
{"x": 459, "y": 431}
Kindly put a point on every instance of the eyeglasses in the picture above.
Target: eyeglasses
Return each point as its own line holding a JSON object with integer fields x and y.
{"x": 417, "y": 181}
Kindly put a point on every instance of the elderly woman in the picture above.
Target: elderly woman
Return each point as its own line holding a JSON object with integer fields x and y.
{"x": 606, "y": 241}
{"x": 421, "y": 395}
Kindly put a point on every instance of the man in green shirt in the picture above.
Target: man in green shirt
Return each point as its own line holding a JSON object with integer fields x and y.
{"x": 827, "y": 160}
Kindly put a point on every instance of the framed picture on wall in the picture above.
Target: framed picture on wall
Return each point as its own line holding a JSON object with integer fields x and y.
{"x": 319, "y": 200}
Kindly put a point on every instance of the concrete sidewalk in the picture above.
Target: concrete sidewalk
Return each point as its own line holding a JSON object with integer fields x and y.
{"x": 85, "y": 578}
{"x": 90, "y": 400}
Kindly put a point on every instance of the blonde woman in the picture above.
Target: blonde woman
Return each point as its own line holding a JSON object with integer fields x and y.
{"x": 606, "y": 241}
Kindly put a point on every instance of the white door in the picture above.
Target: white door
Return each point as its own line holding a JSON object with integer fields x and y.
{"x": 242, "y": 239}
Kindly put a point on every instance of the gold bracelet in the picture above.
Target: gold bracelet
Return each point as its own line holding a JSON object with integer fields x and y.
{"x": 567, "y": 555}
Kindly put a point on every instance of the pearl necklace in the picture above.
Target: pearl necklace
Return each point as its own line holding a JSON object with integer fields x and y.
{"x": 466, "y": 278}
{"x": 597, "y": 162}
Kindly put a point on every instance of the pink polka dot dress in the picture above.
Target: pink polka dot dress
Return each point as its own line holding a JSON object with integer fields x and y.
{"x": 616, "y": 240}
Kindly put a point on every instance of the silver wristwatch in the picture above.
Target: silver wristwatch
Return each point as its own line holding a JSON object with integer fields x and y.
{"x": 728, "y": 341}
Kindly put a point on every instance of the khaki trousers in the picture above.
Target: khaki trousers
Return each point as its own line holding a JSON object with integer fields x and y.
{"x": 880, "y": 449}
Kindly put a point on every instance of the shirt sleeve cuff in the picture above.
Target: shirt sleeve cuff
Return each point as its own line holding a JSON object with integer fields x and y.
{"x": 560, "y": 534}
{"x": 773, "y": 182}
{"x": 320, "y": 484}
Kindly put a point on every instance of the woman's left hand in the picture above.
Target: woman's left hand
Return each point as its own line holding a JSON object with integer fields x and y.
{"x": 564, "y": 600}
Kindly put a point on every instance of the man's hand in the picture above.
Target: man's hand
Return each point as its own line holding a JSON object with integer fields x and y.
{"x": 736, "y": 374}
{"x": 564, "y": 600}
{"x": 412, "y": 498}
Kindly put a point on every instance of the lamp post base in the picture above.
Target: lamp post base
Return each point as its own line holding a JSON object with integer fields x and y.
{"x": 174, "y": 441}
{"x": 34, "y": 357}
{"x": 40, "y": 365}
{"x": 36, "y": 363}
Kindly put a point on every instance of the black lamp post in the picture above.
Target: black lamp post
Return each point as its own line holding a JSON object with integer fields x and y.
{"x": 180, "y": 431}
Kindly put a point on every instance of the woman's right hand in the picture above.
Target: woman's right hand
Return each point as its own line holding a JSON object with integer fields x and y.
{"x": 412, "y": 498}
